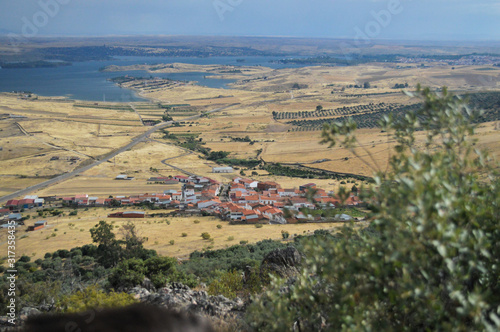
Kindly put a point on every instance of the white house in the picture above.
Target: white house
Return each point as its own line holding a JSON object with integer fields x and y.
{"x": 222, "y": 170}
{"x": 205, "y": 204}
{"x": 249, "y": 183}
{"x": 193, "y": 199}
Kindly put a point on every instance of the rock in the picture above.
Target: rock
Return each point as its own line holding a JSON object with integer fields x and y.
{"x": 139, "y": 293}
{"x": 282, "y": 262}
{"x": 27, "y": 311}
{"x": 181, "y": 297}
{"x": 148, "y": 284}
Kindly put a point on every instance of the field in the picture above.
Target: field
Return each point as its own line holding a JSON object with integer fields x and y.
{"x": 51, "y": 136}
{"x": 67, "y": 232}
{"x": 276, "y": 109}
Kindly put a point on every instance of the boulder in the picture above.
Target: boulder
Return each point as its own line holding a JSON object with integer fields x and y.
{"x": 181, "y": 297}
{"x": 281, "y": 262}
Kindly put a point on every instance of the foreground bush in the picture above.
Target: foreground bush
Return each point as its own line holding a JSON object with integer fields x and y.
{"x": 430, "y": 259}
{"x": 93, "y": 298}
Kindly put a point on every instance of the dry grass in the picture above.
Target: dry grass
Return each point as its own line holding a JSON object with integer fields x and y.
{"x": 73, "y": 131}
{"x": 73, "y": 231}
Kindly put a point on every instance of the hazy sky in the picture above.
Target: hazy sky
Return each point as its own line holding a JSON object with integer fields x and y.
{"x": 397, "y": 19}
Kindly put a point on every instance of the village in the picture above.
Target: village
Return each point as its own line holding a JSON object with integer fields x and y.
{"x": 242, "y": 201}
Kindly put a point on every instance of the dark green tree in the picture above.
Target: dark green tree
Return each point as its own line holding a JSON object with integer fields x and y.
{"x": 102, "y": 234}
{"x": 127, "y": 274}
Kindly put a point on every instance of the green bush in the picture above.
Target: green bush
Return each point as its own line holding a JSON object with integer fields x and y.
{"x": 160, "y": 270}
{"x": 219, "y": 226}
{"x": 205, "y": 236}
{"x": 429, "y": 260}
{"x": 25, "y": 259}
{"x": 184, "y": 234}
{"x": 93, "y": 298}
{"x": 127, "y": 274}
{"x": 227, "y": 284}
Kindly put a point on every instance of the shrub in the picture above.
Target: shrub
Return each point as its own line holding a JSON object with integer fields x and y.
{"x": 172, "y": 242}
{"x": 285, "y": 235}
{"x": 258, "y": 226}
{"x": 219, "y": 226}
{"x": 25, "y": 259}
{"x": 196, "y": 221}
{"x": 127, "y": 274}
{"x": 93, "y": 298}
{"x": 63, "y": 253}
{"x": 205, "y": 236}
{"x": 184, "y": 234}
{"x": 430, "y": 258}
{"x": 227, "y": 284}
{"x": 230, "y": 238}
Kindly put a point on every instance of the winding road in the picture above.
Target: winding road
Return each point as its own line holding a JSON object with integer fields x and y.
{"x": 134, "y": 142}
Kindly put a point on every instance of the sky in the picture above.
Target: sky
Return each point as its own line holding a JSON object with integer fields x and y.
{"x": 374, "y": 19}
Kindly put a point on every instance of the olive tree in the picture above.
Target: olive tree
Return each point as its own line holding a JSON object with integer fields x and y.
{"x": 429, "y": 259}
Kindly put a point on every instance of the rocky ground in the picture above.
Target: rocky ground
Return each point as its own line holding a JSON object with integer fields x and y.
{"x": 180, "y": 298}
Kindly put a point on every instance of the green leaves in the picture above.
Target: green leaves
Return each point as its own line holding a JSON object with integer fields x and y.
{"x": 430, "y": 260}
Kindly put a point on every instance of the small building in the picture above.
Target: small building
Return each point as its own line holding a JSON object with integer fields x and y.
{"x": 170, "y": 191}
{"x": 38, "y": 225}
{"x": 26, "y": 203}
{"x": 222, "y": 170}
{"x": 249, "y": 183}
{"x": 307, "y": 186}
{"x": 268, "y": 185}
{"x": 15, "y": 216}
{"x": 12, "y": 204}
{"x": 164, "y": 180}
{"x": 128, "y": 214}
{"x": 343, "y": 217}
{"x": 10, "y": 225}
{"x": 181, "y": 178}
{"x": 124, "y": 177}
{"x": 205, "y": 204}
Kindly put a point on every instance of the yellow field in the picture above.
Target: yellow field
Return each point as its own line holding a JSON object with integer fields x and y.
{"x": 72, "y": 231}
{"x": 65, "y": 129}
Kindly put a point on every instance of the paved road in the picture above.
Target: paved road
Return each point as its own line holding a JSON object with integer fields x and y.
{"x": 134, "y": 142}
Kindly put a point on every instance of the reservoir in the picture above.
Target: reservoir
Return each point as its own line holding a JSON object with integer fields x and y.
{"x": 84, "y": 81}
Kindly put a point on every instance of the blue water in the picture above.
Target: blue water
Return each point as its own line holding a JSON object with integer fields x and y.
{"x": 84, "y": 81}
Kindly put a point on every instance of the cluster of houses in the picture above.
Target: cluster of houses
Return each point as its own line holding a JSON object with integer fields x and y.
{"x": 28, "y": 202}
{"x": 252, "y": 201}
{"x": 242, "y": 201}
{"x": 12, "y": 210}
